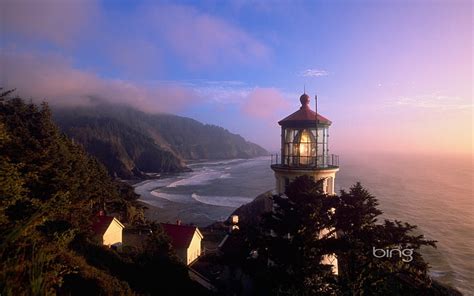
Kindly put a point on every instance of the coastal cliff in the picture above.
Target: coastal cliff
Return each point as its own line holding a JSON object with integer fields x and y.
{"x": 132, "y": 144}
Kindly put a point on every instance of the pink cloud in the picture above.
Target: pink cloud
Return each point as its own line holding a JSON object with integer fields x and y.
{"x": 61, "y": 22}
{"x": 53, "y": 78}
{"x": 265, "y": 103}
{"x": 202, "y": 39}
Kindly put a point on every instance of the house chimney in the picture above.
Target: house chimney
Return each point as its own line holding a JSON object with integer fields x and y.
{"x": 178, "y": 222}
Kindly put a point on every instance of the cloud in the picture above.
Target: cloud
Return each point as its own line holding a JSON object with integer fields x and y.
{"x": 265, "y": 103}
{"x": 257, "y": 102}
{"x": 53, "y": 78}
{"x": 221, "y": 92}
{"x": 314, "y": 73}
{"x": 202, "y": 39}
{"x": 433, "y": 101}
{"x": 138, "y": 41}
{"x": 60, "y": 22}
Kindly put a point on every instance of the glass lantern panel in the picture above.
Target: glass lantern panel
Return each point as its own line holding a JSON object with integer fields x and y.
{"x": 289, "y": 135}
{"x": 300, "y": 147}
{"x": 305, "y": 148}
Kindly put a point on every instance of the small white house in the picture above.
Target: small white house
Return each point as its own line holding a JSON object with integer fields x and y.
{"x": 109, "y": 229}
{"x": 186, "y": 241}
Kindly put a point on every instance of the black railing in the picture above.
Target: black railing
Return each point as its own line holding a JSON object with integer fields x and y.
{"x": 320, "y": 161}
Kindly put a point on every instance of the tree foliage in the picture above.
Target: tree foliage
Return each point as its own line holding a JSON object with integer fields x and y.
{"x": 50, "y": 190}
{"x": 307, "y": 224}
{"x": 365, "y": 270}
{"x": 293, "y": 242}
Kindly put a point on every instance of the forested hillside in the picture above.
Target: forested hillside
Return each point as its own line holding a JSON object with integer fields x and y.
{"x": 131, "y": 143}
{"x": 50, "y": 192}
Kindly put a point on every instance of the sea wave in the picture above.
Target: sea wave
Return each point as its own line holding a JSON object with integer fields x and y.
{"x": 222, "y": 201}
{"x": 200, "y": 178}
{"x": 177, "y": 198}
{"x": 219, "y": 162}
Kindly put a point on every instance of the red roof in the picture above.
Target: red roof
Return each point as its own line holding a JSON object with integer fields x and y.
{"x": 180, "y": 235}
{"x": 304, "y": 115}
{"x": 101, "y": 223}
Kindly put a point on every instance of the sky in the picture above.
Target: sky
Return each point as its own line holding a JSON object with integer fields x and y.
{"x": 392, "y": 76}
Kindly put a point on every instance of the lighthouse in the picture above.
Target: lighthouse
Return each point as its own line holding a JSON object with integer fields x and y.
{"x": 305, "y": 149}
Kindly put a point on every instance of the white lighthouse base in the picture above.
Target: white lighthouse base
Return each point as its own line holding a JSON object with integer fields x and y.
{"x": 285, "y": 175}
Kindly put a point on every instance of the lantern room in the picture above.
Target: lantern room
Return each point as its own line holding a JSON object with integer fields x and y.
{"x": 305, "y": 148}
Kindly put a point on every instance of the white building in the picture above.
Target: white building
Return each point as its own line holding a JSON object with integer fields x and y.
{"x": 109, "y": 230}
{"x": 186, "y": 241}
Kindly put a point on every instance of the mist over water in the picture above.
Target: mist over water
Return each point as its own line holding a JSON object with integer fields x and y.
{"x": 434, "y": 193}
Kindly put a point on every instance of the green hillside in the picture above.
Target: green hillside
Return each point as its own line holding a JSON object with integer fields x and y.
{"x": 131, "y": 143}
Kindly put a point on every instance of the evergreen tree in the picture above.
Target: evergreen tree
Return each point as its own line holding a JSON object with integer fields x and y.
{"x": 378, "y": 259}
{"x": 301, "y": 229}
{"x": 293, "y": 243}
{"x": 50, "y": 190}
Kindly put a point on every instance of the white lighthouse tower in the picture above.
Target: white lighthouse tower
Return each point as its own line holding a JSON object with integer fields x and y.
{"x": 305, "y": 149}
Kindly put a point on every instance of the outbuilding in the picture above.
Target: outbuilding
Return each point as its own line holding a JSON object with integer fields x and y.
{"x": 109, "y": 229}
{"x": 185, "y": 240}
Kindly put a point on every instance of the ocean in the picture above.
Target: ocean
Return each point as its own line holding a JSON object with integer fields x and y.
{"x": 432, "y": 192}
